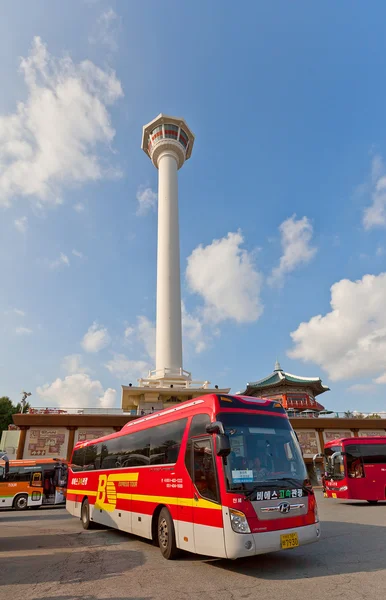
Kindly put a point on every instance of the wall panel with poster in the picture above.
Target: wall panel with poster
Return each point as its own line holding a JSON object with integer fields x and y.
{"x": 372, "y": 433}
{"x": 47, "y": 443}
{"x": 83, "y": 434}
{"x": 309, "y": 442}
{"x": 334, "y": 434}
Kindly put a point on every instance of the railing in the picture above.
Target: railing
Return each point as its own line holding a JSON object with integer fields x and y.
{"x": 335, "y": 415}
{"x": 141, "y": 412}
{"x": 89, "y": 411}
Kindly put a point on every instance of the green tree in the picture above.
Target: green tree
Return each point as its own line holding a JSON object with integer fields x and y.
{"x": 7, "y": 409}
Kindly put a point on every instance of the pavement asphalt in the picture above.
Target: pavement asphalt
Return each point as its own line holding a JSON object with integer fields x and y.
{"x": 46, "y": 555}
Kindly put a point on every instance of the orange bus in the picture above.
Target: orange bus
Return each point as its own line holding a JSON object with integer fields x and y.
{"x": 220, "y": 475}
{"x": 32, "y": 483}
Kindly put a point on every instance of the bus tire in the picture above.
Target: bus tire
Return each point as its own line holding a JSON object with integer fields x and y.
{"x": 166, "y": 535}
{"x": 21, "y": 502}
{"x": 372, "y": 501}
{"x": 85, "y": 515}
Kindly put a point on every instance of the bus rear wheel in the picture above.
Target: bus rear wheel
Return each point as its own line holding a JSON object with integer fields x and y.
{"x": 372, "y": 501}
{"x": 167, "y": 535}
{"x": 85, "y": 515}
{"x": 21, "y": 502}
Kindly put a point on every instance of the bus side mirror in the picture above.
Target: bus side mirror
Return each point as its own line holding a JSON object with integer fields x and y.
{"x": 215, "y": 427}
{"x": 223, "y": 446}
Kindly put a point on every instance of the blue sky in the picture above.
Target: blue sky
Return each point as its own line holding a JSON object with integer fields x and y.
{"x": 286, "y": 186}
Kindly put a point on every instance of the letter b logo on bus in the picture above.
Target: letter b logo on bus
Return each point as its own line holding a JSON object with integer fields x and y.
{"x": 106, "y": 498}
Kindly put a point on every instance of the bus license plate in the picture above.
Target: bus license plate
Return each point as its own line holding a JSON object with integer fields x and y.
{"x": 289, "y": 540}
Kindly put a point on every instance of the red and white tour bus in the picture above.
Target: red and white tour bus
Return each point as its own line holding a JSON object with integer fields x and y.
{"x": 355, "y": 469}
{"x": 219, "y": 475}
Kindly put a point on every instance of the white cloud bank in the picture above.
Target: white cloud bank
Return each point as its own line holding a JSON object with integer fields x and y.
{"x": 77, "y": 391}
{"x": 53, "y": 138}
{"x": 96, "y": 338}
{"x": 296, "y": 236}
{"x": 225, "y": 277}
{"x": 349, "y": 342}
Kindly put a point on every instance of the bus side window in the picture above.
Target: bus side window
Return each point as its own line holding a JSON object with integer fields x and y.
{"x": 204, "y": 469}
{"x": 36, "y": 480}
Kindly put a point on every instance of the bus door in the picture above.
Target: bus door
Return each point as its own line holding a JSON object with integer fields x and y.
{"x": 364, "y": 470}
{"x": 207, "y": 511}
{"x": 60, "y": 483}
{"x": 48, "y": 487}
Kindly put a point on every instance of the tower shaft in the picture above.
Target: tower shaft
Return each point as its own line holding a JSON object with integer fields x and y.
{"x": 168, "y": 328}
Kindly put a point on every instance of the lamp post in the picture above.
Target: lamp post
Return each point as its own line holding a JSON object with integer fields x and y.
{"x": 24, "y": 399}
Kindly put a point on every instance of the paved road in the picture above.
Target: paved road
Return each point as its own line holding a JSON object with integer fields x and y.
{"x": 46, "y": 555}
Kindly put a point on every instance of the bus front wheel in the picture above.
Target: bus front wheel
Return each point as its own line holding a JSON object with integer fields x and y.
{"x": 85, "y": 515}
{"x": 21, "y": 502}
{"x": 167, "y": 535}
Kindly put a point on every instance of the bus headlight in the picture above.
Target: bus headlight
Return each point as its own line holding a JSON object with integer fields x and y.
{"x": 239, "y": 521}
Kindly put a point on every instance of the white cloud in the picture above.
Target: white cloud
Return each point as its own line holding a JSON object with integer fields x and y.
{"x": 23, "y": 331}
{"x": 296, "y": 235}
{"x": 146, "y": 335}
{"x": 362, "y": 388}
{"x": 52, "y": 139}
{"x": 124, "y": 368}
{"x": 73, "y": 364}
{"x": 19, "y": 312}
{"x": 76, "y": 391}
{"x": 147, "y": 200}
{"x": 129, "y": 332}
{"x": 375, "y": 215}
{"x": 224, "y": 275}
{"x": 106, "y": 30}
{"x": 79, "y": 207}
{"x": 96, "y": 338}
{"x": 381, "y": 379}
{"x": 350, "y": 341}
{"x": 63, "y": 260}
{"x": 109, "y": 398}
{"x": 78, "y": 254}
{"x": 21, "y": 224}
{"x": 193, "y": 330}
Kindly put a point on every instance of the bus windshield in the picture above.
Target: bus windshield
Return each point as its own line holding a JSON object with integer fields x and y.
{"x": 263, "y": 449}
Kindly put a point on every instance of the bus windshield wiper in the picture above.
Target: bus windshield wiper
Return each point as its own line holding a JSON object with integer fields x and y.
{"x": 296, "y": 482}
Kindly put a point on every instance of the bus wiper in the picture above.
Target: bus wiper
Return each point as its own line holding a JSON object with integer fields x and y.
{"x": 296, "y": 482}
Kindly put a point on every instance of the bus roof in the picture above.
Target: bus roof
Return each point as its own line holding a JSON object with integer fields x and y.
{"x": 211, "y": 402}
{"x": 370, "y": 439}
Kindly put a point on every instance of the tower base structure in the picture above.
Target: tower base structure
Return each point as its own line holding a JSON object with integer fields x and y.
{"x": 163, "y": 390}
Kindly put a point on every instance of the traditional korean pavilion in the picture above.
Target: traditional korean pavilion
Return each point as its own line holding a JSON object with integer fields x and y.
{"x": 297, "y": 394}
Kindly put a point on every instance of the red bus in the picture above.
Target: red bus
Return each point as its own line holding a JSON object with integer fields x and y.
{"x": 219, "y": 475}
{"x": 355, "y": 469}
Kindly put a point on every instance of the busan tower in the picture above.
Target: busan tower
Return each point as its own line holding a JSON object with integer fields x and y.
{"x": 168, "y": 142}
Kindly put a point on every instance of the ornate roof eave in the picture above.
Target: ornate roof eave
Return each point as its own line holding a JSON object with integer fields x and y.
{"x": 314, "y": 383}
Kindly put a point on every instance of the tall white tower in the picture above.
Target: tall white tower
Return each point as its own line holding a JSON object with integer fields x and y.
{"x": 168, "y": 142}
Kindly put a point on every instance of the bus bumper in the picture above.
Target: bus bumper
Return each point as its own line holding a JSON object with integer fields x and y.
{"x": 239, "y": 545}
